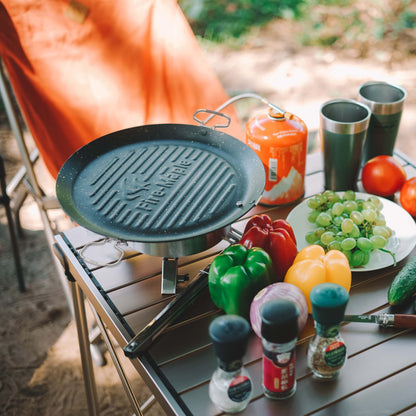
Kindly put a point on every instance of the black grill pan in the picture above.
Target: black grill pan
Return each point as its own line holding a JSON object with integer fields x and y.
{"x": 173, "y": 185}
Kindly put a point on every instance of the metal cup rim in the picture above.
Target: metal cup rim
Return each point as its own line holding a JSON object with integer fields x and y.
{"x": 345, "y": 127}
{"x": 383, "y": 107}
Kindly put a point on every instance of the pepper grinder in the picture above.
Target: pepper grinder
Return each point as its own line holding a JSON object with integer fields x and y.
{"x": 279, "y": 330}
{"x": 327, "y": 351}
{"x": 230, "y": 388}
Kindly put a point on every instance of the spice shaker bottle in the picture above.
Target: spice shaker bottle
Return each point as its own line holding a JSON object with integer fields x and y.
{"x": 279, "y": 329}
{"x": 280, "y": 141}
{"x": 230, "y": 388}
{"x": 327, "y": 351}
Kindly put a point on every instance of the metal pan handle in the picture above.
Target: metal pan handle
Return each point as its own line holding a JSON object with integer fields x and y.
{"x": 213, "y": 114}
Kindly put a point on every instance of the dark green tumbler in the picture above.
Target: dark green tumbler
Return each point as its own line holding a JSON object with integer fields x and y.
{"x": 343, "y": 128}
{"x": 386, "y": 104}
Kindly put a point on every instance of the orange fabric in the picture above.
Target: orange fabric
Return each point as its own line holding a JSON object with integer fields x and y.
{"x": 131, "y": 62}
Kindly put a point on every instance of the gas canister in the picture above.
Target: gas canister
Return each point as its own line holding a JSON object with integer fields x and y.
{"x": 280, "y": 140}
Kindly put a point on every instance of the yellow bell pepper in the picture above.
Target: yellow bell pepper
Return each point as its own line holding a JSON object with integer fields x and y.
{"x": 312, "y": 267}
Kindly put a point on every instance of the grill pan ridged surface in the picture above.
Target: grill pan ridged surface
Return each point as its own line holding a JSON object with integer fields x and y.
{"x": 160, "y": 182}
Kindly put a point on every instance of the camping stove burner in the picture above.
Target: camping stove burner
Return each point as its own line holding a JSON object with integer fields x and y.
{"x": 169, "y": 278}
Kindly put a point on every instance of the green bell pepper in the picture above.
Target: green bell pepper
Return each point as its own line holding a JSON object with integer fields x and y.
{"x": 236, "y": 276}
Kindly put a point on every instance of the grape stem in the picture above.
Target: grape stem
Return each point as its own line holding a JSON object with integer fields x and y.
{"x": 391, "y": 253}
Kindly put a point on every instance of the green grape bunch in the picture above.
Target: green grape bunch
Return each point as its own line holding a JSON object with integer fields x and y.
{"x": 352, "y": 225}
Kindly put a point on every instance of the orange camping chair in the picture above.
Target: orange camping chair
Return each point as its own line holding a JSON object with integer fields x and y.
{"x": 81, "y": 70}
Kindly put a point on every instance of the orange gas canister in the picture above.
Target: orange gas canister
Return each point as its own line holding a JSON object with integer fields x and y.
{"x": 280, "y": 140}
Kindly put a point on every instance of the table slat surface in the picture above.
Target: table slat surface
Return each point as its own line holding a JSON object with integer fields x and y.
{"x": 379, "y": 373}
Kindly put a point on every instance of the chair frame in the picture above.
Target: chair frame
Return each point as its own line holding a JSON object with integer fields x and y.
{"x": 27, "y": 174}
{"x": 5, "y": 200}
{"x": 45, "y": 204}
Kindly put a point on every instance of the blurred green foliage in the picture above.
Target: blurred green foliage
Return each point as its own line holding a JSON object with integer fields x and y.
{"x": 218, "y": 20}
{"x": 351, "y": 22}
{"x": 341, "y": 23}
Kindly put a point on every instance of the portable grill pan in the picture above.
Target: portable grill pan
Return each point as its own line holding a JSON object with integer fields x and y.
{"x": 169, "y": 190}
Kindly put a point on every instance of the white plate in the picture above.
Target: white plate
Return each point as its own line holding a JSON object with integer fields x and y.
{"x": 401, "y": 243}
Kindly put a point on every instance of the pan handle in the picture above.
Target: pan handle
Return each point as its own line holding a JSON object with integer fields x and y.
{"x": 213, "y": 114}
{"x": 116, "y": 245}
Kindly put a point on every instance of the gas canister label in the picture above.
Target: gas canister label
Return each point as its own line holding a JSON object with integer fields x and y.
{"x": 273, "y": 170}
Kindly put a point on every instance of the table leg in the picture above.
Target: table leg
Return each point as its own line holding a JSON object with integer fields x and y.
{"x": 84, "y": 347}
{"x": 127, "y": 387}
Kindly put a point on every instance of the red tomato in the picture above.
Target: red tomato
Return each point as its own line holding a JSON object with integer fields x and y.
{"x": 383, "y": 176}
{"x": 408, "y": 196}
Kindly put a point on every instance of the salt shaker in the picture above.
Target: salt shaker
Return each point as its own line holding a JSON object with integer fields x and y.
{"x": 327, "y": 350}
{"x": 230, "y": 388}
{"x": 279, "y": 329}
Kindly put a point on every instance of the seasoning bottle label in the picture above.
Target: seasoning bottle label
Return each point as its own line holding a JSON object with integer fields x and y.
{"x": 279, "y": 371}
{"x": 335, "y": 354}
{"x": 239, "y": 389}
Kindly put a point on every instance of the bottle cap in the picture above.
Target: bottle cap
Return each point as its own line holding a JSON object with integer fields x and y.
{"x": 329, "y": 301}
{"x": 279, "y": 321}
{"x": 229, "y": 334}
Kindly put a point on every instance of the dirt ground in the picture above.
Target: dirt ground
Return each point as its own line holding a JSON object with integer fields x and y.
{"x": 40, "y": 372}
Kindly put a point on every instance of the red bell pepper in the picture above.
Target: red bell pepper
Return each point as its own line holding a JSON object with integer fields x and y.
{"x": 275, "y": 237}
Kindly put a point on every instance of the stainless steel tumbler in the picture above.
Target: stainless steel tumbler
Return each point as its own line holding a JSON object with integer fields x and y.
{"x": 386, "y": 104}
{"x": 343, "y": 128}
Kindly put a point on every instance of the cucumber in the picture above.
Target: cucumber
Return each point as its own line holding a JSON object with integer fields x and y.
{"x": 403, "y": 286}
